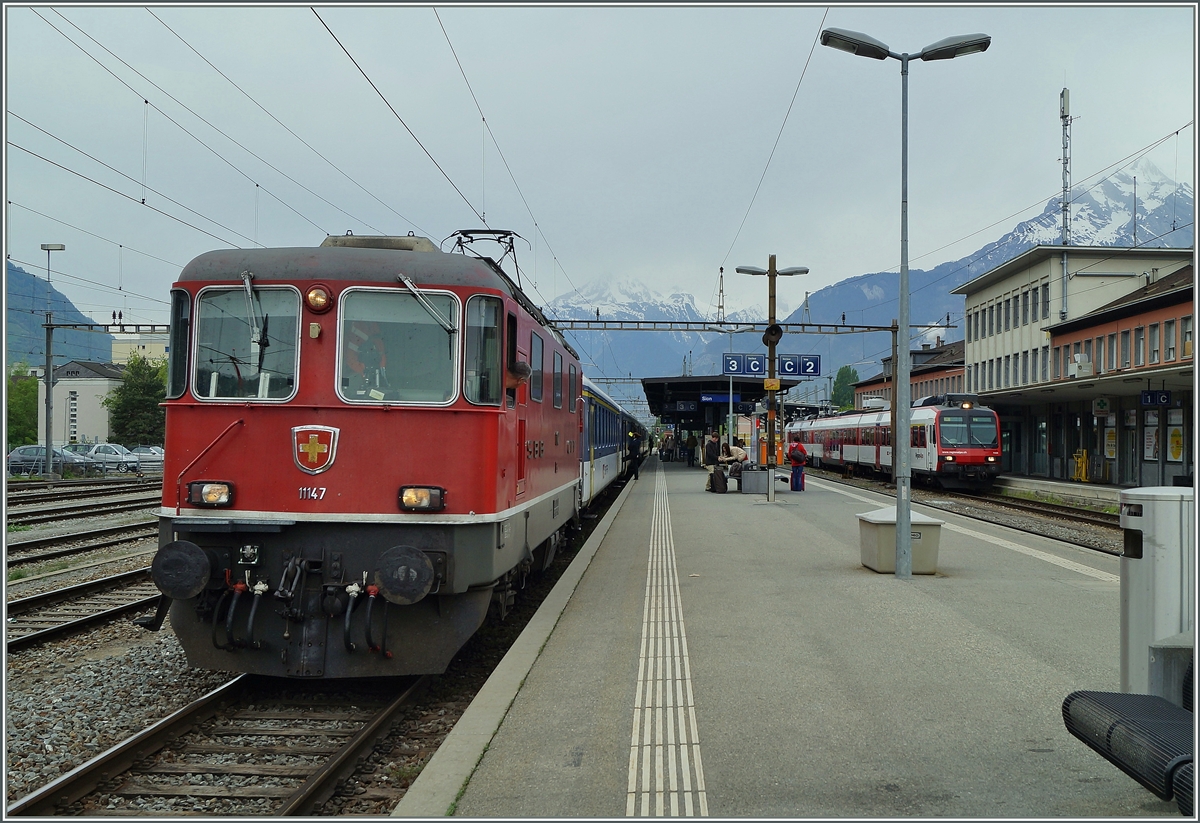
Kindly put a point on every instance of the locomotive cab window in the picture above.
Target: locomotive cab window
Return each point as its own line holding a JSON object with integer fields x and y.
{"x": 482, "y": 369}
{"x": 181, "y": 322}
{"x": 395, "y": 348}
{"x": 983, "y": 430}
{"x": 536, "y": 362}
{"x": 246, "y": 343}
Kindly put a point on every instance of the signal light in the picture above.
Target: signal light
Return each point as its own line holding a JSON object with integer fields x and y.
{"x": 318, "y": 299}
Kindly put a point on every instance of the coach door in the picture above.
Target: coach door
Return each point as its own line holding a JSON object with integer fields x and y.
{"x": 877, "y": 445}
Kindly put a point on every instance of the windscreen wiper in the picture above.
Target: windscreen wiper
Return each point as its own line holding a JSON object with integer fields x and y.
{"x": 424, "y": 301}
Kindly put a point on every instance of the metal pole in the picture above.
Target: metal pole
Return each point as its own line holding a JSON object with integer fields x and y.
{"x": 904, "y": 370}
{"x": 49, "y": 466}
{"x": 771, "y": 376}
{"x": 895, "y": 337}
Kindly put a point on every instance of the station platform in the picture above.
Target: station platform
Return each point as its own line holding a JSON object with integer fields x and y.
{"x": 719, "y": 655}
{"x": 1088, "y": 494}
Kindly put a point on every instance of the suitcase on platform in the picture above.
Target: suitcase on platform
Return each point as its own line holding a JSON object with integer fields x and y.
{"x": 720, "y": 483}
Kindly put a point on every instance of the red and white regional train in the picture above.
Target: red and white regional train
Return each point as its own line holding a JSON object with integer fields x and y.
{"x": 954, "y": 441}
{"x": 367, "y": 444}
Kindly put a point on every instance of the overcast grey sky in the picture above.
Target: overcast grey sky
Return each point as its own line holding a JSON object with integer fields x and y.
{"x": 637, "y": 135}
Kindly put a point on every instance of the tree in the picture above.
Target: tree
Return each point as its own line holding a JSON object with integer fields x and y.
{"x": 135, "y": 415}
{"x": 843, "y": 387}
{"x": 22, "y": 407}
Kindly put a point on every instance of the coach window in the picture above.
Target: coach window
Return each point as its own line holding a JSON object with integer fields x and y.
{"x": 181, "y": 322}
{"x": 246, "y": 343}
{"x": 398, "y": 347}
{"x": 482, "y": 368}
{"x": 537, "y": 363}
{"x": 558, "y": 380}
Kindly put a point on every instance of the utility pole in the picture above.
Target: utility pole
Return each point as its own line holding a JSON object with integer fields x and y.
{"x": 48, "y": 469}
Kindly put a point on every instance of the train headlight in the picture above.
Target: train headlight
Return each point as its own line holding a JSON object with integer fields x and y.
{"x": 210, "y": 493}
{"x": 949, "y": 458}
{"x": 991, "y": 458}
{"x": 318, "y": 299}
{"x": 422, "y": 498}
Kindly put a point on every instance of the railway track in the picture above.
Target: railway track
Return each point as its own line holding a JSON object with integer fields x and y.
{"x": 1073, "y": 513}
{"x": 61, "y": 612}
{"x": 29, "y": 498}
{"x": 50, "y": 548}
{"x": 59, "y": 513}
{"x": 260, "y": 746}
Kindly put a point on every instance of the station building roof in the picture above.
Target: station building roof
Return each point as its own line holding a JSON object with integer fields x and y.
{"x": 663, "y": 394}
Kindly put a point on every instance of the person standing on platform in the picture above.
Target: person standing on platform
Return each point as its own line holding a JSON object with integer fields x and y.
{"x": 635, "y": 451}
{"x": 798, "y": 455}
{"x": 691, "y": 445}
{"x": 712, "y": 453}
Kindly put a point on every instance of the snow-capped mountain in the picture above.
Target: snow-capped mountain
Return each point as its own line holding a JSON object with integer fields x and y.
{"x": 1102, "y": 214}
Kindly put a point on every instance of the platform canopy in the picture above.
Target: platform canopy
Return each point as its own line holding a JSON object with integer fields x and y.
{"x": 695, "y": 403}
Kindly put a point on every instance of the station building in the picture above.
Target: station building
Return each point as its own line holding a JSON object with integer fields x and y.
{"x": 79, "y": 413}
{"x": 1086, "y": 355}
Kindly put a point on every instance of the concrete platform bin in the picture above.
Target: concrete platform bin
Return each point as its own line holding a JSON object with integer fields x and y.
{"x": 877, "y": 535}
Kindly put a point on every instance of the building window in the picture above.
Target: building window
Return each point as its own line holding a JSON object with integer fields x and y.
{"x": 1007, "y": 314}
{"x": 1087, "y": 351}
{"x": 1006, "y": 372}
{"x": 1185, "y": 335}
{"x": 1045, "y": 300}
{"x": 991, "y": 319}
{"x": 1056, "y": 361}
{"x": 1139, "y": 346}
{"x": 1024, "y": 308}
{"x": 1033, "y": 363}
{"x": 1169, "y": 340}
{"x": 1024, "y": 367}
{"x": 1112, "y": 353}
{"x": 1154, "y": 350}
{"x": 991, "y": 374}
{"x": 978, "y": 325}
{"x": 1045, "y": 362}
{"x": 1099, "y": 354}
{"x": 1125, "y": 349}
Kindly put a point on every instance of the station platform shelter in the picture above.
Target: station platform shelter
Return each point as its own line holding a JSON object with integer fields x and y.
{"x": 723, "y": 656}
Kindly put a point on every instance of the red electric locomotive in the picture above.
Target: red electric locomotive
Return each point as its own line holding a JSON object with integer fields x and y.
{"x": 367, "y": 444}
{"x": 954, "y": 442}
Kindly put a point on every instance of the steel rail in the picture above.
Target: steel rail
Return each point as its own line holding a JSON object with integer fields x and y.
{"x": 113, "y": 536}
{"x": 31, "y": 498}
{"x": 56, "y": 597}
{"x": 322, "y": 783}
{"x": 86, "y": 778}
{"x": 90, "y": 510}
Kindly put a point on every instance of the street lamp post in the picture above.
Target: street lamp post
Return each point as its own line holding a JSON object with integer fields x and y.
{"x": 48, "y": 469}
{"x": 771, "y": 336}
{"x": 947, "y": 49}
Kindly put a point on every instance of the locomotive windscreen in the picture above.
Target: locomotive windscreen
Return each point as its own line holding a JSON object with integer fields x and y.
{"x": 394, "y": 349}
{"x": 246, "y": 345}
{"x": 967, "y": 430}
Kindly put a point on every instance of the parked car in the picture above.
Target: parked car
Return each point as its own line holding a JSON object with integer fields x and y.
{"x": 114, "y": 456}
{"x": 32, "y": 460}
{"x": 151, "y": 457}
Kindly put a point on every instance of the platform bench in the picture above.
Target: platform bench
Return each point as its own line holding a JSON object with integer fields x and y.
{"x": 1145, "y": 736}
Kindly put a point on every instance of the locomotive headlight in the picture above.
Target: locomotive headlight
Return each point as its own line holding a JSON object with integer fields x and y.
{"x": 991, "y": 458}
{"x": 949, "y": 458}
{"x": 422, "y": 498}
{"x": 318, "y": 299}
{"x": 208, "y": 493}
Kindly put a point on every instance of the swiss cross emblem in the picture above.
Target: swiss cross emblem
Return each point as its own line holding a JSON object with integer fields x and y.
{"x": 314, "y": 447}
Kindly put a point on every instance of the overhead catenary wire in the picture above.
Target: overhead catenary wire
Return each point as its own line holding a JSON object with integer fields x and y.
{"x": 217, "y": 154}
{"x": 536, "y": 225}
{"x": 286, "y": 128}
{"x": 396, "y": 114}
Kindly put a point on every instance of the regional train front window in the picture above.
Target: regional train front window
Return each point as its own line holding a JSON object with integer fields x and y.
{"x": 394, "y": 347}
{"x": 246, "y": 344}
{"x": 983, "y": 430}
{"x": 953, "y": 431}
